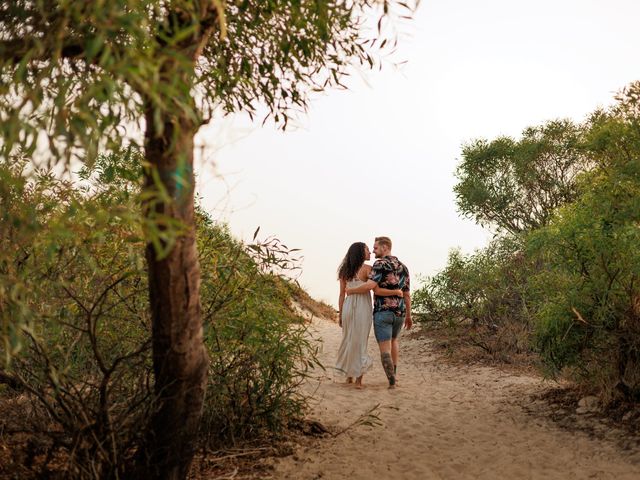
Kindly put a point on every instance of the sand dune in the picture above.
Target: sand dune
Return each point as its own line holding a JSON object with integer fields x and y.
{"x": 442, "y": 422}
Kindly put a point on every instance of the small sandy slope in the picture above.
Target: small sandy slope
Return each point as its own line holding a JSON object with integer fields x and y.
{"x": 442, "y": 422}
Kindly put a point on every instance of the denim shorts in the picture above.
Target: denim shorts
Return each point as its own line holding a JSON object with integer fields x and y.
{"x": 387, "y": 325}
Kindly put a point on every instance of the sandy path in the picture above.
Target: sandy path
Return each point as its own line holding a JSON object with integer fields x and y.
{"x": 442, "y": 422}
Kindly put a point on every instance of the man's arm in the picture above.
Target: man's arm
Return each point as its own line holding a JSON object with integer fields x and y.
{"x": 406, "y": 289}
{"x": 385, "y": 292}
{"x": 371, "y": 285}
{"x": 408, "y": 322}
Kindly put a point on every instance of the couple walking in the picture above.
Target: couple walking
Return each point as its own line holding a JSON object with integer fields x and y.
{"x": 389, "y": 280}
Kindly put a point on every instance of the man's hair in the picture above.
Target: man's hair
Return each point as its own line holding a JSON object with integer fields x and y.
{"x": 386, "y": 241}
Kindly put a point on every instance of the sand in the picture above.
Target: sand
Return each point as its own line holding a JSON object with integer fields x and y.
{"x": 441, "y": 422}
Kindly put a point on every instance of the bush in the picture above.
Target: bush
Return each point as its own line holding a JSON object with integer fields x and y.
{"x": 75, "y": 321}
{"x": 514, "y": 187}
{"x": 589, "y": 295}
{"x": 572, "y": 196}
{"x": 76, "y": 365}
{"x": 257, "y": 344}
{"x": 487, "y": 291}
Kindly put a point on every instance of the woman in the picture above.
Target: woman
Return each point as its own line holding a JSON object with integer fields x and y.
{"x": 356, "y": 312}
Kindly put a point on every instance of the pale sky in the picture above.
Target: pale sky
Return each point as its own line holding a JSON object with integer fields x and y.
{"x": 379, "y": 158}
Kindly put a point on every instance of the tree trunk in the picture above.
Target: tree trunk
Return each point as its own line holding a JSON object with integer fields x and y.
{"x": 179, "y": 357}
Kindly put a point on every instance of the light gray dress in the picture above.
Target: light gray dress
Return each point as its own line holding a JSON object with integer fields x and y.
{"x": 357, "y": 316}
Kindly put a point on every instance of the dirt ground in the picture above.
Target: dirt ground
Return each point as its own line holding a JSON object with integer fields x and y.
{"x": 445, "y": 421}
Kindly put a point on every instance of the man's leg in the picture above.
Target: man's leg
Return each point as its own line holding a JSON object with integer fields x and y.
{"x": 395, "y": 353}
{"x": 398, "y": 321}
{"x": 387, "y": 361}
{"x": 383, "y": 327}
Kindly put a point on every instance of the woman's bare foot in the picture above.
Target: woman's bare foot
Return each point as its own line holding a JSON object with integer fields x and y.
{"x": 359, "y": 384}
{"x": 349, "y": 379}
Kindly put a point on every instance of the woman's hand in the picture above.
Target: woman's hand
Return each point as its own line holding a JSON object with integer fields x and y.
{"x": 398, "y": 293}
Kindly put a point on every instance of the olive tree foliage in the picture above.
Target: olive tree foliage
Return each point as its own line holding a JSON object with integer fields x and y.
{"x": 515, "y": 185}
{"x": 78, "y": 73}
{"x": 79, "y": 78}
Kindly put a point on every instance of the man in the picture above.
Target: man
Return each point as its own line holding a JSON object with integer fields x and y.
{"x": 389, "y": 313}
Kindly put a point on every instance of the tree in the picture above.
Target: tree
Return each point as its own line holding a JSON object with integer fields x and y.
{"x": 515, "y": 185}
{"x": 77, "y": 78}
{"x": 588, "y": 307}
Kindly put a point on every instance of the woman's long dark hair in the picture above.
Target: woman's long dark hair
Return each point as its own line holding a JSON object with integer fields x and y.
{"x": 352, "y": 262}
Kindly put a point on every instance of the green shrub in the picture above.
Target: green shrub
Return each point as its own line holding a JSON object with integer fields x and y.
{"x": 76, "y": 325}
{"x": 588, "y": 306}
{"x": 572, "y": 195}
{"x": 257, "y": 344}
{"x": 74, "y": 316}
{"x": 486, "y": 291}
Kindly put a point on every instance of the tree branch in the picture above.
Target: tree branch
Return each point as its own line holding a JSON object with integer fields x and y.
{"x": 15, "y": 50}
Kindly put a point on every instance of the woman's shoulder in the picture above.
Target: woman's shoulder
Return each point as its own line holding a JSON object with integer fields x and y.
{"x": 364, "y": 272}
{"x": 365, "y": 268}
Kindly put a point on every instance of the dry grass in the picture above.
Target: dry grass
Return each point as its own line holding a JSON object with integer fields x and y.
{"x": 21, "y": 458}
{"x": 619, "y": 423}
{"x": 25, "y": 455}
{"x": 255, "y": 461}
{"x": 317, "y": 308}
{"x": 464, "y": 345}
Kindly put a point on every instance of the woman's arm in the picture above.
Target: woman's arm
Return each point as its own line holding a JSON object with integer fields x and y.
{"x": 371, "y": 285}
{"x": 385, "y": 292}
{"x": 364, "y": 288}
{"x": 343, "y": 285}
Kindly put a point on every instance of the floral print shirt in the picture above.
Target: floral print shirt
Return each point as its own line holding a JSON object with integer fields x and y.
{"x": 389, "y": 272}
